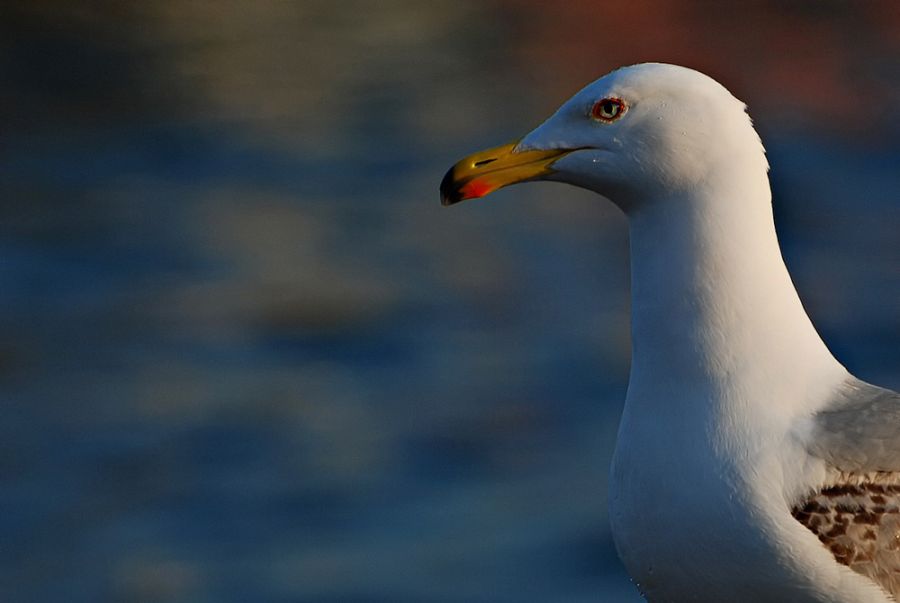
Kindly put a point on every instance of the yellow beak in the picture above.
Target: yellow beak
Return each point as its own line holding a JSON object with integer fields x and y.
{"x": 484, "y": 172}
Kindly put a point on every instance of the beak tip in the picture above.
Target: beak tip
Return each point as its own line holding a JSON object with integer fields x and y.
{"x": 450, "y": 194}
{"x": 448, "y": 200}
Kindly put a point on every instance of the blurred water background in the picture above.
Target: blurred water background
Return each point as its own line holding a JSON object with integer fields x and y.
{"x": 246, "y": 356}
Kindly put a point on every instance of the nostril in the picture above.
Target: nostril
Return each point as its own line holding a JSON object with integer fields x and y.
{"x": 484, "y": 162}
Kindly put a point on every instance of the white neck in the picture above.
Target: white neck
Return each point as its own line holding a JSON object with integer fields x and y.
{"x": 712, "y": 302}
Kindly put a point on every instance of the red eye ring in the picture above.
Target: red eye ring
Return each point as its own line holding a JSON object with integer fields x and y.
{"x": 608, "y": 109}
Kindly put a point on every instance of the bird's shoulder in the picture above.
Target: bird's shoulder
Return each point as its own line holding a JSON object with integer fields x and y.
{"x": 856, "y": 514}
{"x": 858, "y": 430}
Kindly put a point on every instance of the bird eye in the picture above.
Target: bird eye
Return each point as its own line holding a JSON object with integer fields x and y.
{"x": 608, "y": 109}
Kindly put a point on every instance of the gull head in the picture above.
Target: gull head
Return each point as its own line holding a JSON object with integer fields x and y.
{"x": 639, "y": 134}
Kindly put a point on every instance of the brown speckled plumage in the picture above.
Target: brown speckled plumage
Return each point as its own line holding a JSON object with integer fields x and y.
{"x": 860, "y": 525}
{"x": 856, "y": 514}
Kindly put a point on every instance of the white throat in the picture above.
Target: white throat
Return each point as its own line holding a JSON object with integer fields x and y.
{"x": 712, "y": 301}
{"x": 724, "y": 361}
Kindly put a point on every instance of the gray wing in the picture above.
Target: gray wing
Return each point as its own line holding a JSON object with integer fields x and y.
{"x": 858, "y": 518}
{"x": 859, "y": 431}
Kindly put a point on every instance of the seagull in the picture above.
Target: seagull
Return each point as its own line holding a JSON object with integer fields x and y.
{"x": 750, "y": 465}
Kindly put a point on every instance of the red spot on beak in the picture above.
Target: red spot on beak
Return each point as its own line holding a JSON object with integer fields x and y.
{"x": 475, "y": 189}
